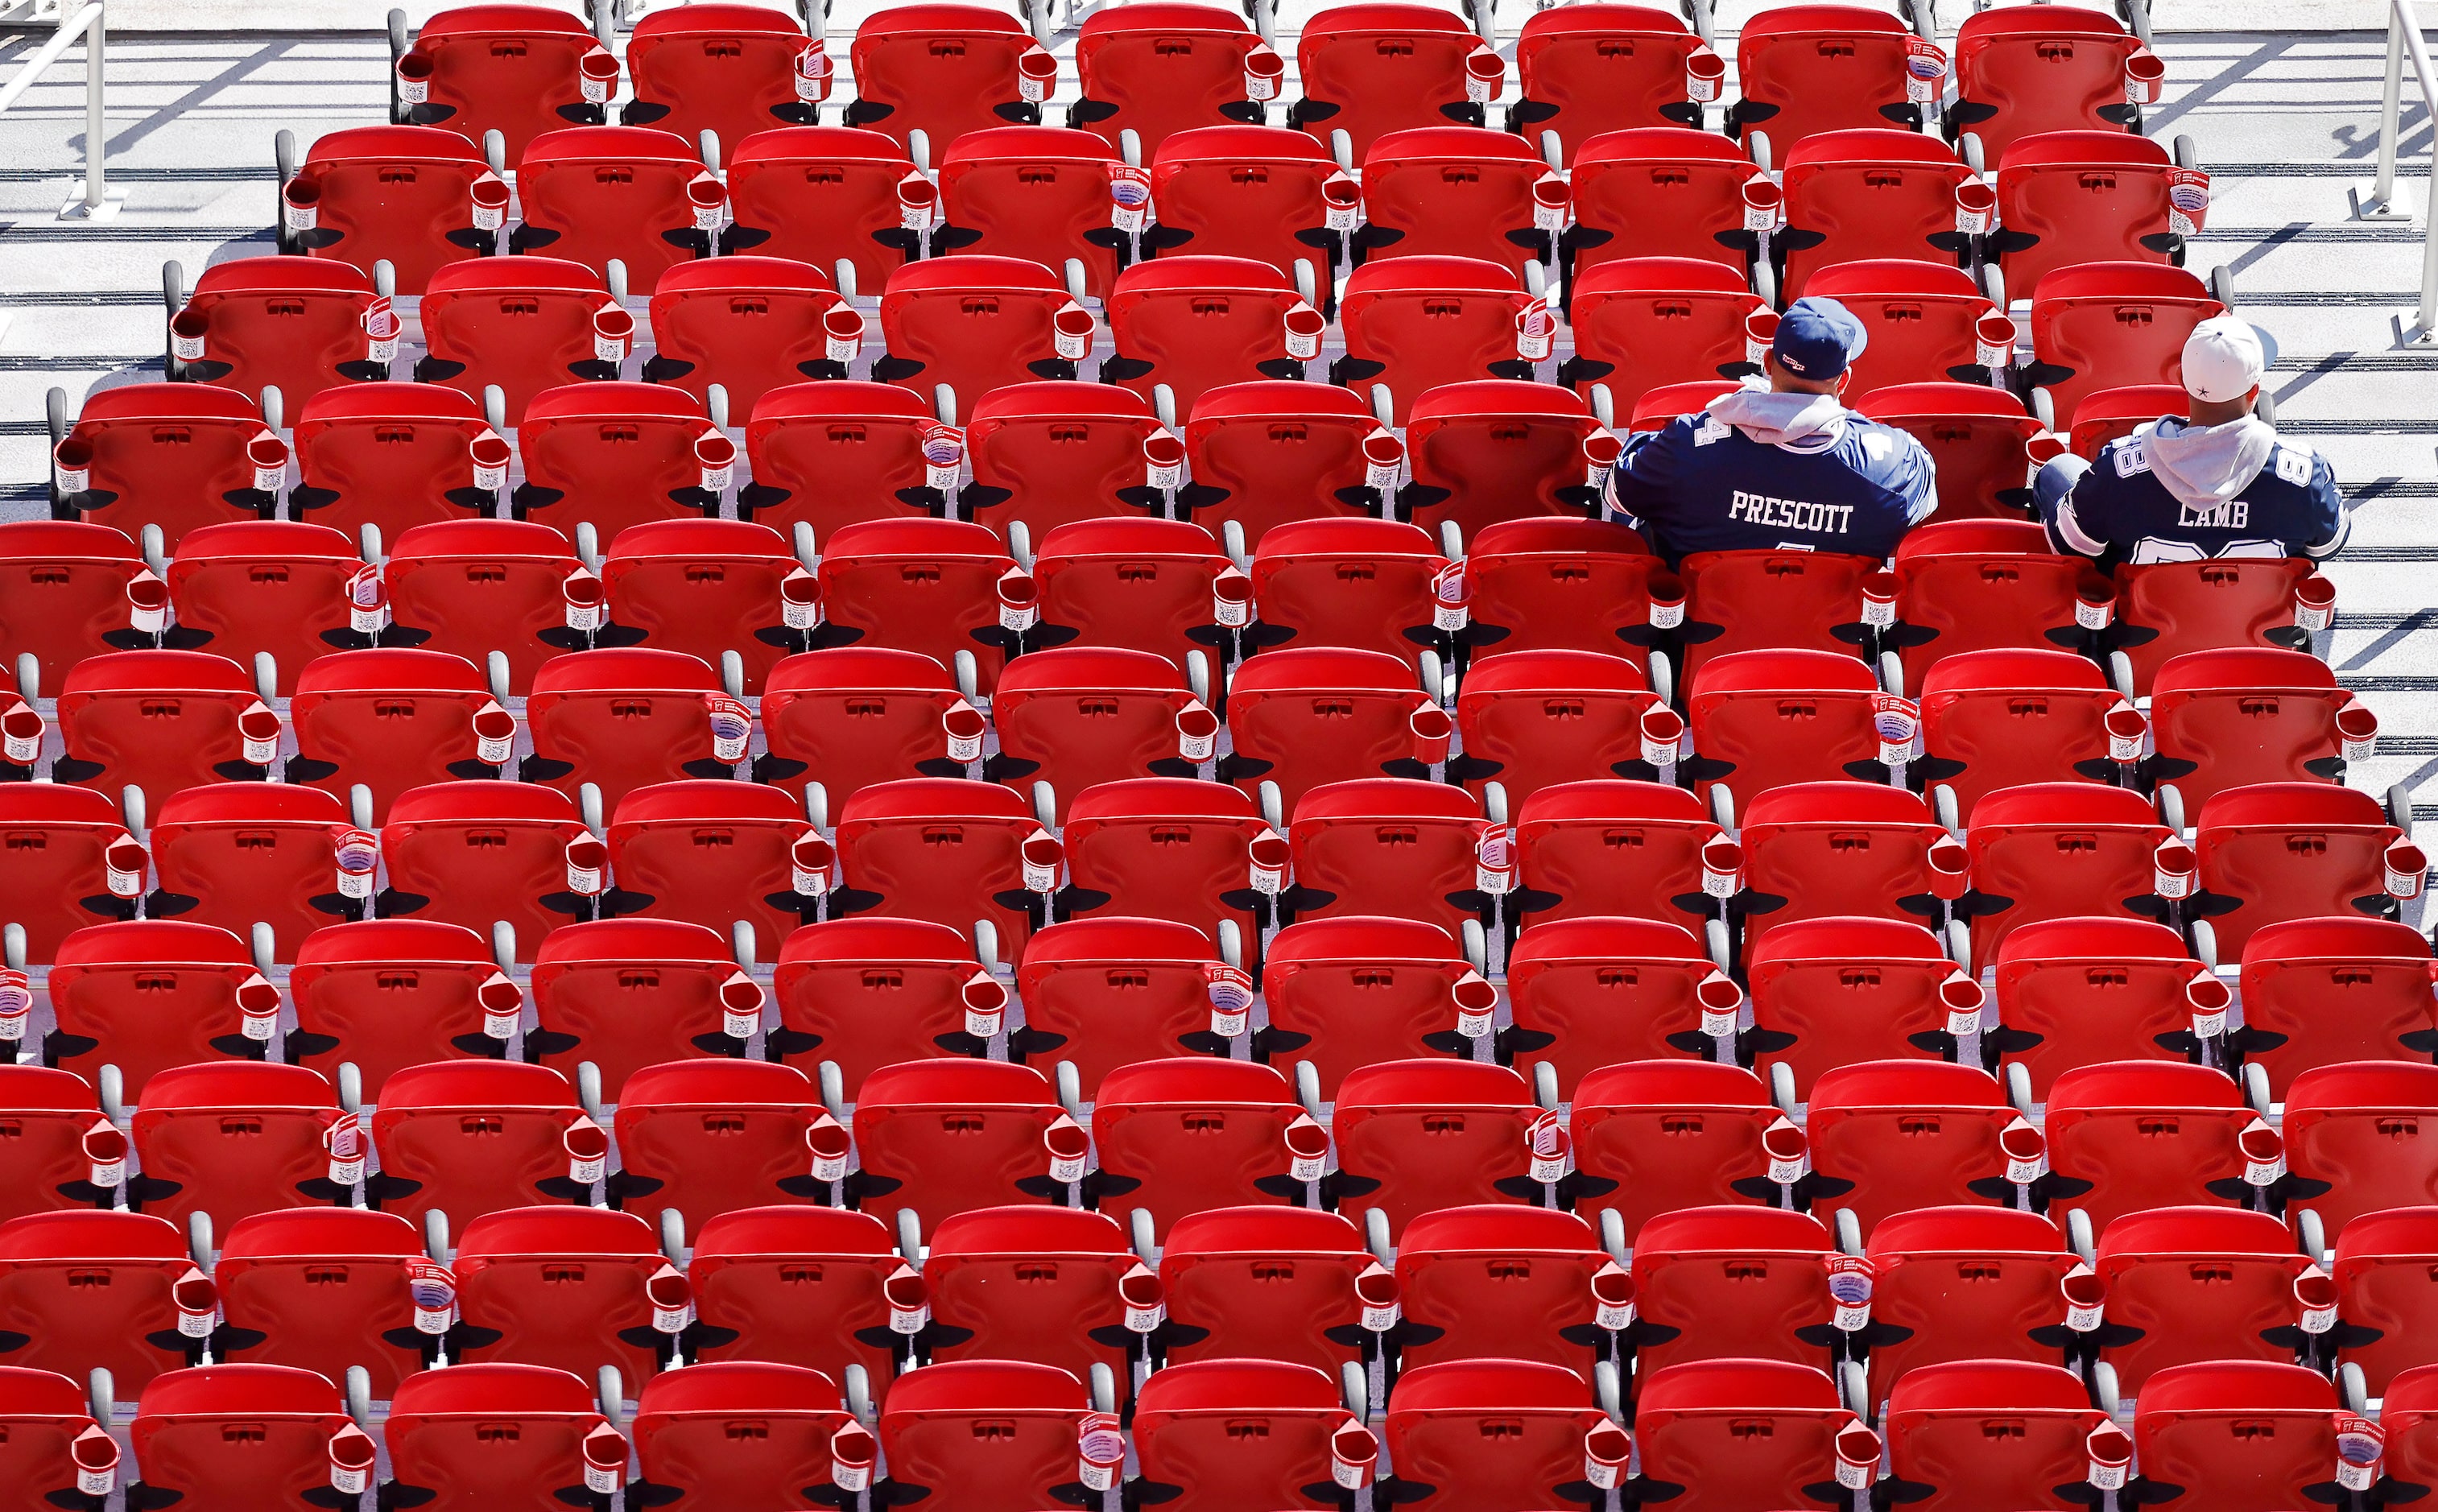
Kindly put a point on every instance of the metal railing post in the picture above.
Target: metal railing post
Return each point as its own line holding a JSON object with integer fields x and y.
{"x": 85, "y": 22}
{"x": 2391, "y": 109}
{"x": 96, "y": 131}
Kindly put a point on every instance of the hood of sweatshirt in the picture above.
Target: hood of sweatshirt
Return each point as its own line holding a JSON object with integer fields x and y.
{"x": 1799, "y": 422}
{"x": 2206, "y": 465}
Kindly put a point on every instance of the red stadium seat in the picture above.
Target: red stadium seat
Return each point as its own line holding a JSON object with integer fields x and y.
{"x": 1985, "y": 1434}
{"x": 66, "y": 591}
{"x": 2125, "y": 1135}
{"x": 2052, "y": 851}
{"x": 752, "y": 324}
{"x": 833, "y": 453}
{"x": 389, "y": 993}
{"x": 856, "y": 715}
{"x": 1659, "y": 192}
{"x": 705, "y": 1136}
{"x": 734, "y": 69}
{"x": 1242, "y": 1436}
{"x": 1366, "y": 585}
{"x": 593, "y": 193}
{"x": 1842, "y": 848}
{"x": 524, "y": 324}
{"x": 2082, "y": 991}
{"x": 2382, "y": 1266}
{"x": 1052, "y": 453}
{"x": 1570, "y": 838}
{"x": 864, "y": 994}
{"x": 236, "y": 854}
{"x": 323, "y": 1288}
{"x": 1965, "y": 1283}
{"x": 1144, "y": 584}
{"x": 1180, "y": 1137}
{"x": 471, "y": 587}
{"x": 2243, "y": 714}
{"x": 826, "y": 195}
{"x": 1464, "y": 191}
{"x": 1268, "y": 455}
{"x": 1658, "y": 405}
{"x": 1503, "y": 1283}
{"x": 1984, "y": 445}
{"x": 2354, "y": 1143}
{"x": 391, "y": 720}
{"x": 1985, "y": 584}
{"x": 1491, "y": 451}
{"x": 1388, "y": 847}
{"x": 1033, "y": 192}
{"x": 1030, "y": 1283}
{"x": 1172, "y": 847}
{"x": 396, "y": 456}
{"x": 1872, "y": 192}
{"x": 2240, "y": 1433}
{"x": 944, "y": 69}
{"x": 1369, "y": 69}
{"x": 475, "y": 853}
{"x": 1287, "y": 1284}
{"x": 1196, "y": 322}
{"x": 1556, "y": 584}
{"x": 299, "y": 325}
{"x": 2317, "y": 991}
{"x": 152, "y": 993}
{"x": 1606, "y": 69}
{"x": 1830, "y": 992}
{"x": 2008, "y": 719}
{"x": 2088, "y": 196}
{"x": 798, "y": 1286}
{"x": 497, "y": 1433}
{"x": 948, "y": 851}
{"x": 1763, "y": 719}
{"x": 416, "y": 197}
{"x": 2187, "y": 1284}
{"x": 1156, "y": 73}
{"x": 713, "y": 854}
{"x": 704, "y": 586}
{"x": 1534, "y": 719}
{"x": 615, "y": 455}
{"x": 1263, "y": 192}
{"x": 1492, "y": 1433}
{"x": 1414, "y": 1136}
{"x": 115, "y": 1291}
{"x": 518, "y": 69}
{"x": 1641, "y": 323}
{"x": 934, "y": 586}
{"x": 685, "y": 1437}
{"x": 232, "y": 1139}
{"x": 2112, "y": 414}
{"x": 1717, "y": 1283}
{"x": 1413, "y": 323}
{"x": 54, "y": 1449}
{"x": 247, "y": 586}
{"x": 952, "y": 1135}
{"x": 575, "y": 1287}
{"x": 1767, "y": 601}
{"x": 1889, "y": 1137}
{"x": 1926, "y": 320}
{"x": 1349, "y": 993}
{"x": 46, "y": 1114}
{"x": 1284, "y": 709}
{"x": 472, "y": 1136}
{"x": 67, "y": 847}
{"x": 2279, "y": 851}
{"x": 623, "y": 719}
{"x": 2018, "y": 72}
{"x": 1003, "y": 1434}
{"x": 231, "y": 1436}
{"x": 176, "y": 455}
{"x": 1101, "y": 994}
{"x": 1721, "y": 1434}
{"x": 975, "y": 324}
{"x": 629, "y": 993}
{"x": 1653, "y": 1136}
{"x": 2104, "y": 325}
{"x": 1803, "y": 69}
{"x": 2168, "y": 609}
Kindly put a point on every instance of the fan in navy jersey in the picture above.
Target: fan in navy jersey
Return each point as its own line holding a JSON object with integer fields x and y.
{"x": 2221, "y": 483}
{"x": 1779, "y": 465}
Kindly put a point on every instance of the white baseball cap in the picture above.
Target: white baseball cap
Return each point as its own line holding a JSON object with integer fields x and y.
{"x": 2223, "y": 360}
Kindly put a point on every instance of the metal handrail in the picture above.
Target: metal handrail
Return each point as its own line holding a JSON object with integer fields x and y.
{"x": 2404, "y": 40}
{"x": 87, "y": 22}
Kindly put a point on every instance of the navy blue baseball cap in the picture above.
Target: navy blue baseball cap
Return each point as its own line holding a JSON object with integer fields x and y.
{"x": 1816, "y": 338}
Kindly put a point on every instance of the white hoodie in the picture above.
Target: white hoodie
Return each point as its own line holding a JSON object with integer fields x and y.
{"x": 1798, "y": 422}
{"x": 2203, "y": 466}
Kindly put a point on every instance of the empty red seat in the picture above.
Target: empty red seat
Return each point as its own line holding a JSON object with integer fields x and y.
{"x": 1715, "y": 1283}
{"x": 832, "y": 453}
{"x": 1266, "y": 454}
{"x": 1413, "y": 323}
{"x": 1038, "y": 193}
{"x": 627, "y": 993}
{"x": 494, "y": 1434}
{"x": 1926, "y": 320}
{"x": 1288, "y": 1284}
{"x": 1465, "y": 191}
{"x": 1659, "y": 192}
{"x": 2018, "y": 72}
{"x": 1374, "y": 68}
{"x": 1414, "y": 1136}
{"x": 1641, "y": 323}
{"x": 1982, "y": 585}
{"x": 684, "y": 1442}
{"x": 1491, "y": 451}
{"x": 1874, "y": 192}
{"x": 1653, "y": 1136}
{"x": 1503, "y": 1283}
{"x": 2112, "y": 414}
{"x": 298, "y": 591}
{"x": 476, "y": 854}
{"x": 1492, "y": 1433}
{"x": 1242, "y": 1436}
{"x": 1803, "y": 69}
{"x": 389, "y": 993}
{"x": 1569, "y": 838}
{"x": 472, "y": 1136}
{"x": 934, "y": 586}
{"x": 2320, "y": 990}
{"x": 1099, "y": 993}
{"x": 1349, "y": 993}
{"x": 2089, "y": 195}
{"x": 2244, "y": 1433}
{"x": 1989, "y": 1433}
{"x": 1181, "y": 1137}
{"x": 1842, "y": 848}
{"x": 2079, "y": 992}
{"x": 236, "y": 854}
{"x": 752, "y": 324}
{"x": 1557, "y": 584}
{"x": 734, "y": 69}
{"x": 1389, "y": 846}
{"x": 1889, "y": 1137}
{"x": 1769, "y": 601}
{"x": 714, "y": 854}
{"x": 974, "y": 322}
{"x": 1144, "y": 584}
{"x": 623, "y": 719}
{"x": 517, "y": 69}
{"x": 705, "y": 586}
{"x": 116, "y": 1292}
{"x": 2278, "y": 850}
{"x": 1267, "y": 193}
{"x": 2382, "y": 1267}
{"x": 225, "y": 1437}
{"x": 1156, "y": 73}
{"x": 67, "y": 592}
{"x": 2104, "y": 325}
{"x": 71, "y": 863}
{"x": 146, "y": 995}
{"x": 2006, "y": 718}
{"x": 2168, "y": 609}
{"x": 614, "y": 455}
{"x": 1004, "y": 1434}
{"x": 948, "y": 851}
{"x": 1836, "y": 992}
{"x": 1722, "y": 1433}
{"x": 2243, "y": 714}
{"x": 414, "y": 197}
{"x": 826, "y": 195}
{"x": 1982, "y": 442}
{"x": 1195, "y": 320}
{"x": 1606, "y": 69}
{"x": 1173, "y": 848}
{"x": 176, "y": 455}
{"x": 1052, "y": 453}
{"x": 2354, "y": 1143}
{"x": 592, "y": 193}
{"x": 798, "y": 1286}
{"x": 2187, "y": 1284}
{"x": 54, "y": 1448}
{"x": 1308, "y": 715}
{"x": 1367, "y": 584}
{"x": 396, "y": 456}
{"x": 713, "y": 1136}
{"x": 232, "y": 1139}
{"x": 1763, "y": 719}
{"x": 323, "y": 1288}
{"x": 575, "y": 1287}
{"x": 52, "y": 1112}
{"x": 299, "y": 325}
{"x": 867, "y": 992}
{"x": 946, "y": 69}
{"x": 471, "y": 587}
{"x": 1031, "y": 1283}
{"x": 2123, "y": 1135}
{"x": 524, "y": 324}
{"x": 1923, "y": 1312}
{"x": 393, "y": 719}
{"x": 2049, "y": 851}
{"x": 953, "y": 1135}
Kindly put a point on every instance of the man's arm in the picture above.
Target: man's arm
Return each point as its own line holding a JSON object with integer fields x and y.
{"x": 2329, "y": 513}
{"x": 2053, "y": 491}
{"x": 1640, "y": 485}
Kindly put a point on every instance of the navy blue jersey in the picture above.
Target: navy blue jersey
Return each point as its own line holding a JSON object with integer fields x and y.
{"x": 1701, "y": 484}
{"x": 2119, "y": 511}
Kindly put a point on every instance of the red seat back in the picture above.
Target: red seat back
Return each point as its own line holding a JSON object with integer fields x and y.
{"x": 472, "y": 587}
{"x": 295, "y": 323}
{"x": 233, "y": 1138}
{"x": 2093, "y": 990}
{"x": 1635, "y": 1123}
{"x": 612, "y": 455}
{"x": 1265, "y": 454}
{"x": 1803, "y": 69}
{"x": 1156, "y": 73}
{"x": 561, "y": 1286}
{"x": 1607, "y": 69}
{"x": 1373, "y": 68}
{"x": 821, "y": 195}
{"x": 1249, "y": 191}
{"x": 798, "y": 1286}
{"x": 516, "y": 69}
{"x": 169, "y": 454}
{"x": 323, "y": 1288}
{"x": 399, "y": 194}
{"x": 209, "y": 846}
{"x": 2104, "y": 325}
{"x": 942, "y": 68}
{"x": 2061, "y": 70}
{"x": 734, "y": 69}
{"x": 522, "y": 323}
{"x": 146, "y": 995}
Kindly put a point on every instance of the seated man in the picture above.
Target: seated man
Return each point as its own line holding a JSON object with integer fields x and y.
{"x": 1779, "y": 465}
{"x": 2221, "y": 483}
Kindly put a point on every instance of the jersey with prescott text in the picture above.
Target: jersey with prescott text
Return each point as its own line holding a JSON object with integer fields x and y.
{"x": 1700, "y": 485}
{"x": 2121, "y": 512}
